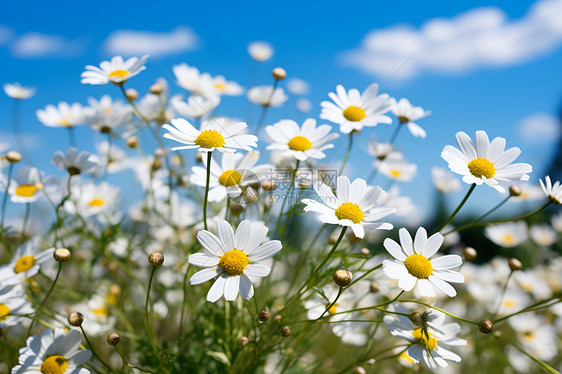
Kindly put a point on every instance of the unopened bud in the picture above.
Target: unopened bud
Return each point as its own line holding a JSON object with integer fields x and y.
{"x": 156, "y": 89}
{"x": 132, "y": 142}
{"x": 269, "y": 185}
{"x": 156, "y": 164}
{"x": 277, "y": 318}
{"x": 374, "y": 288}
{"x": 113, "y": 339}
{"x": 61, "y": 254}
{"x": 199, "y": 157}
{"x": 469, "y": 253}
{"x": 359, "y": 370}
{"x": 279, "y": 74}
{"x": 365, "y": 251}
{"x": 13, "y": 157}
{"x": 236, "y": 209}
{"x": 75, "y": 319}
{"x": 159, "y": 152}
{"x": 514, "y": 190}
{"x": 416, "y": 318}
{"x": 486, "y": 326}
{"x": 243, "y": 341}
{"x": 515, "y": 264}
{"x": 263, "y": 316}
{"x": 131, "y": 94}
{"x": 342, "y": 277}
{"x": 285, "y": 331}
{"x": 156, "y": 259}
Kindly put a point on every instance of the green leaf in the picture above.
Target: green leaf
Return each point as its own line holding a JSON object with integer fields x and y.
{"x": 220, "y": 357}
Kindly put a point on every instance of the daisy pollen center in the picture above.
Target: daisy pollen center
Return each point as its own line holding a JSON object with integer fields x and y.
{"x": 480, "y": 167}
{"x": 350, "y": 211}
{"x": 118, "y": 73}
{"x": 96, "y": 202}
{"x": 418, "y": 266}
{"x": 230, "y": 178}
{"x": 24, "y": 263}
{"x": 332, "y": 309}
{"x": 210, "y": 139}
{"x": 234, "y": 262}
{"x": 26, "y": 190}
{"x": 430, "y": 342}
{"x": 4, "y": 311}
{"x": 354, "y": 113}
{"x": 55, "y": 364}
{"x": 300, "y": 143}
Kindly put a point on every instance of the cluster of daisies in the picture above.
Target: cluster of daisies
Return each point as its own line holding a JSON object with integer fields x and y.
{"x": 230, "y": 213}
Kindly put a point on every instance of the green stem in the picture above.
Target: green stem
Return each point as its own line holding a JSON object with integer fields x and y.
{"x": 205, "y": 199}
{"x": 5, "y": 199}
{"x": 502, "y": 294}
{"x": 493, "y": 209}
{"x": 349, "y": 146}
{"x": 146, "y": 315}
{"x": 332, "y": 304}
{"x": 440, "y": 310}
{"x": 541, "y": 363}
{"x": 71, "y": 136}
{"x": 365, "y": 274}
{"x": 45, "y": 299}
{"x": 289, "y": 191}
{"x": 94, "y": 352}
{"x": 529, "y": 308}
{"x": 458, "y": 208}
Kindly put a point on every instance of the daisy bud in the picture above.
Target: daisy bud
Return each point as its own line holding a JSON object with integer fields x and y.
{"x": 486, "y": 326}
{"x": 277, "y": 318}
{"x": 156, "y": 89}
{"x": 365, "y": 251}
{"x": 263, "y": 316}
{"x": 416, "y": 318}
{"x": 75, "y": 319}
{"x": 13, "y": 157}
{"x": 268, "y": 185}
{"x": 156, "y": 259}
{"x": 514, "y": 190}
{"x": 156, "y": 164}
{"x": 132, "y": 142}
{"x": 359, "y": 370}
{"x": 279, "y": 74}
{"x": 131, "y": 94}
{"x": 159, "y": 152}
{"x": 243, "y": 341}
{"x": 304, "y": 184}
{"x": 236, "y": 209}
{"x": 285, "y": 331}
{"x": 469, "y": 253}
{"x": 199, "y": 157}
{"x": 373, "y": 287}
{"x": 61, "y": 254}
{"x": 342, "y": 277}
{"x": 113, "y": 339}
{"x": 515, "y": 264}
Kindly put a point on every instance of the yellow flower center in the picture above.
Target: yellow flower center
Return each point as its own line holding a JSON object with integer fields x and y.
{"x": 118, "y": 73}
{"x": 419, "y": 266}
{"x": 234, "y": 262}
{"x": 354, "y": 113}
{"x": 395, "y": 173}
{"x": 480, "y": 167}
{"x": 101, "y": 312}
{"x": 112, "y": 296}
{"x": 430, "y": 342}
{"x": 55, "y": 364}
{"x": 4, "y": 311}
{"x": 24, "y": 264}
{"x": 508, "y": 303}
{"x": 300, "y": 143}
{"x": 332, "y": 309}
{"x": 350, "y": 211}
{"x": 26, "y": 190}
{"x": 210, "y": 139}
{"x": 529, "y": 335}
{"x": 96, "y": 202}
{"x": 220, "y": 86}
{"x": 230, "y": 178}
{"x": 508, "y": 238}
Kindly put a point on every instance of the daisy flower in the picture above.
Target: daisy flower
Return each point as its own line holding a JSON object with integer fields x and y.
{"x": 353, "y": 110}
{"x": 484, "y": 161}
{"x": 196, "y": 106}
{"x": 303, "y": 142}
{"x": 232, "y": 258}
{"x": 25, "y": 186}
{"x": 395, "y": 167}
{"x": 444, "y": 181}
{"x": 229, "y": 178}
{"x": 63, "y": 115}
{"x": 354, "y": 205}
{"x": 379, "y": 150}
{"x": 552, "y": 191}
{"x": 214, "y": 134}
{"x": 262, "y": 95}
{"x": 507, "y": 235}
{"x": 188, "y": 77}
{"x": 260, "y": 51}
{"x": 13, "y": 305}
{"x": 113, "y": 158}
{"x": 407, "y": 114}
{"x": 93, "y": 199}
{"x": 74, "y": 163}
{"x": 428, "y": 340}
{"x": 218, "y": 85}
{"x": 25, "y": 263}
{"x": 54, "y": 352}
{"x": 412, "y": 265}
{"x": 115, "y": 71}
{"x": 543, "y": 235}
{"x": 17, "y": 91}
{"x": 153, "y": 107}
{"x": 105, "y": 115}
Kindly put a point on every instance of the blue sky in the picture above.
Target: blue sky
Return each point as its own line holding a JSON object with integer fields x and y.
{"x": 494, "y": 91}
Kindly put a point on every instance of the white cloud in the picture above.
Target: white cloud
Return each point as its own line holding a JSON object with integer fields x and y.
{"x": 539, "y": 128}
{"x": 130, "y": 42}
{"x": 6, "y": 34}
{"x": 36, "y": 45}
{"x": 477, "y": 38}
